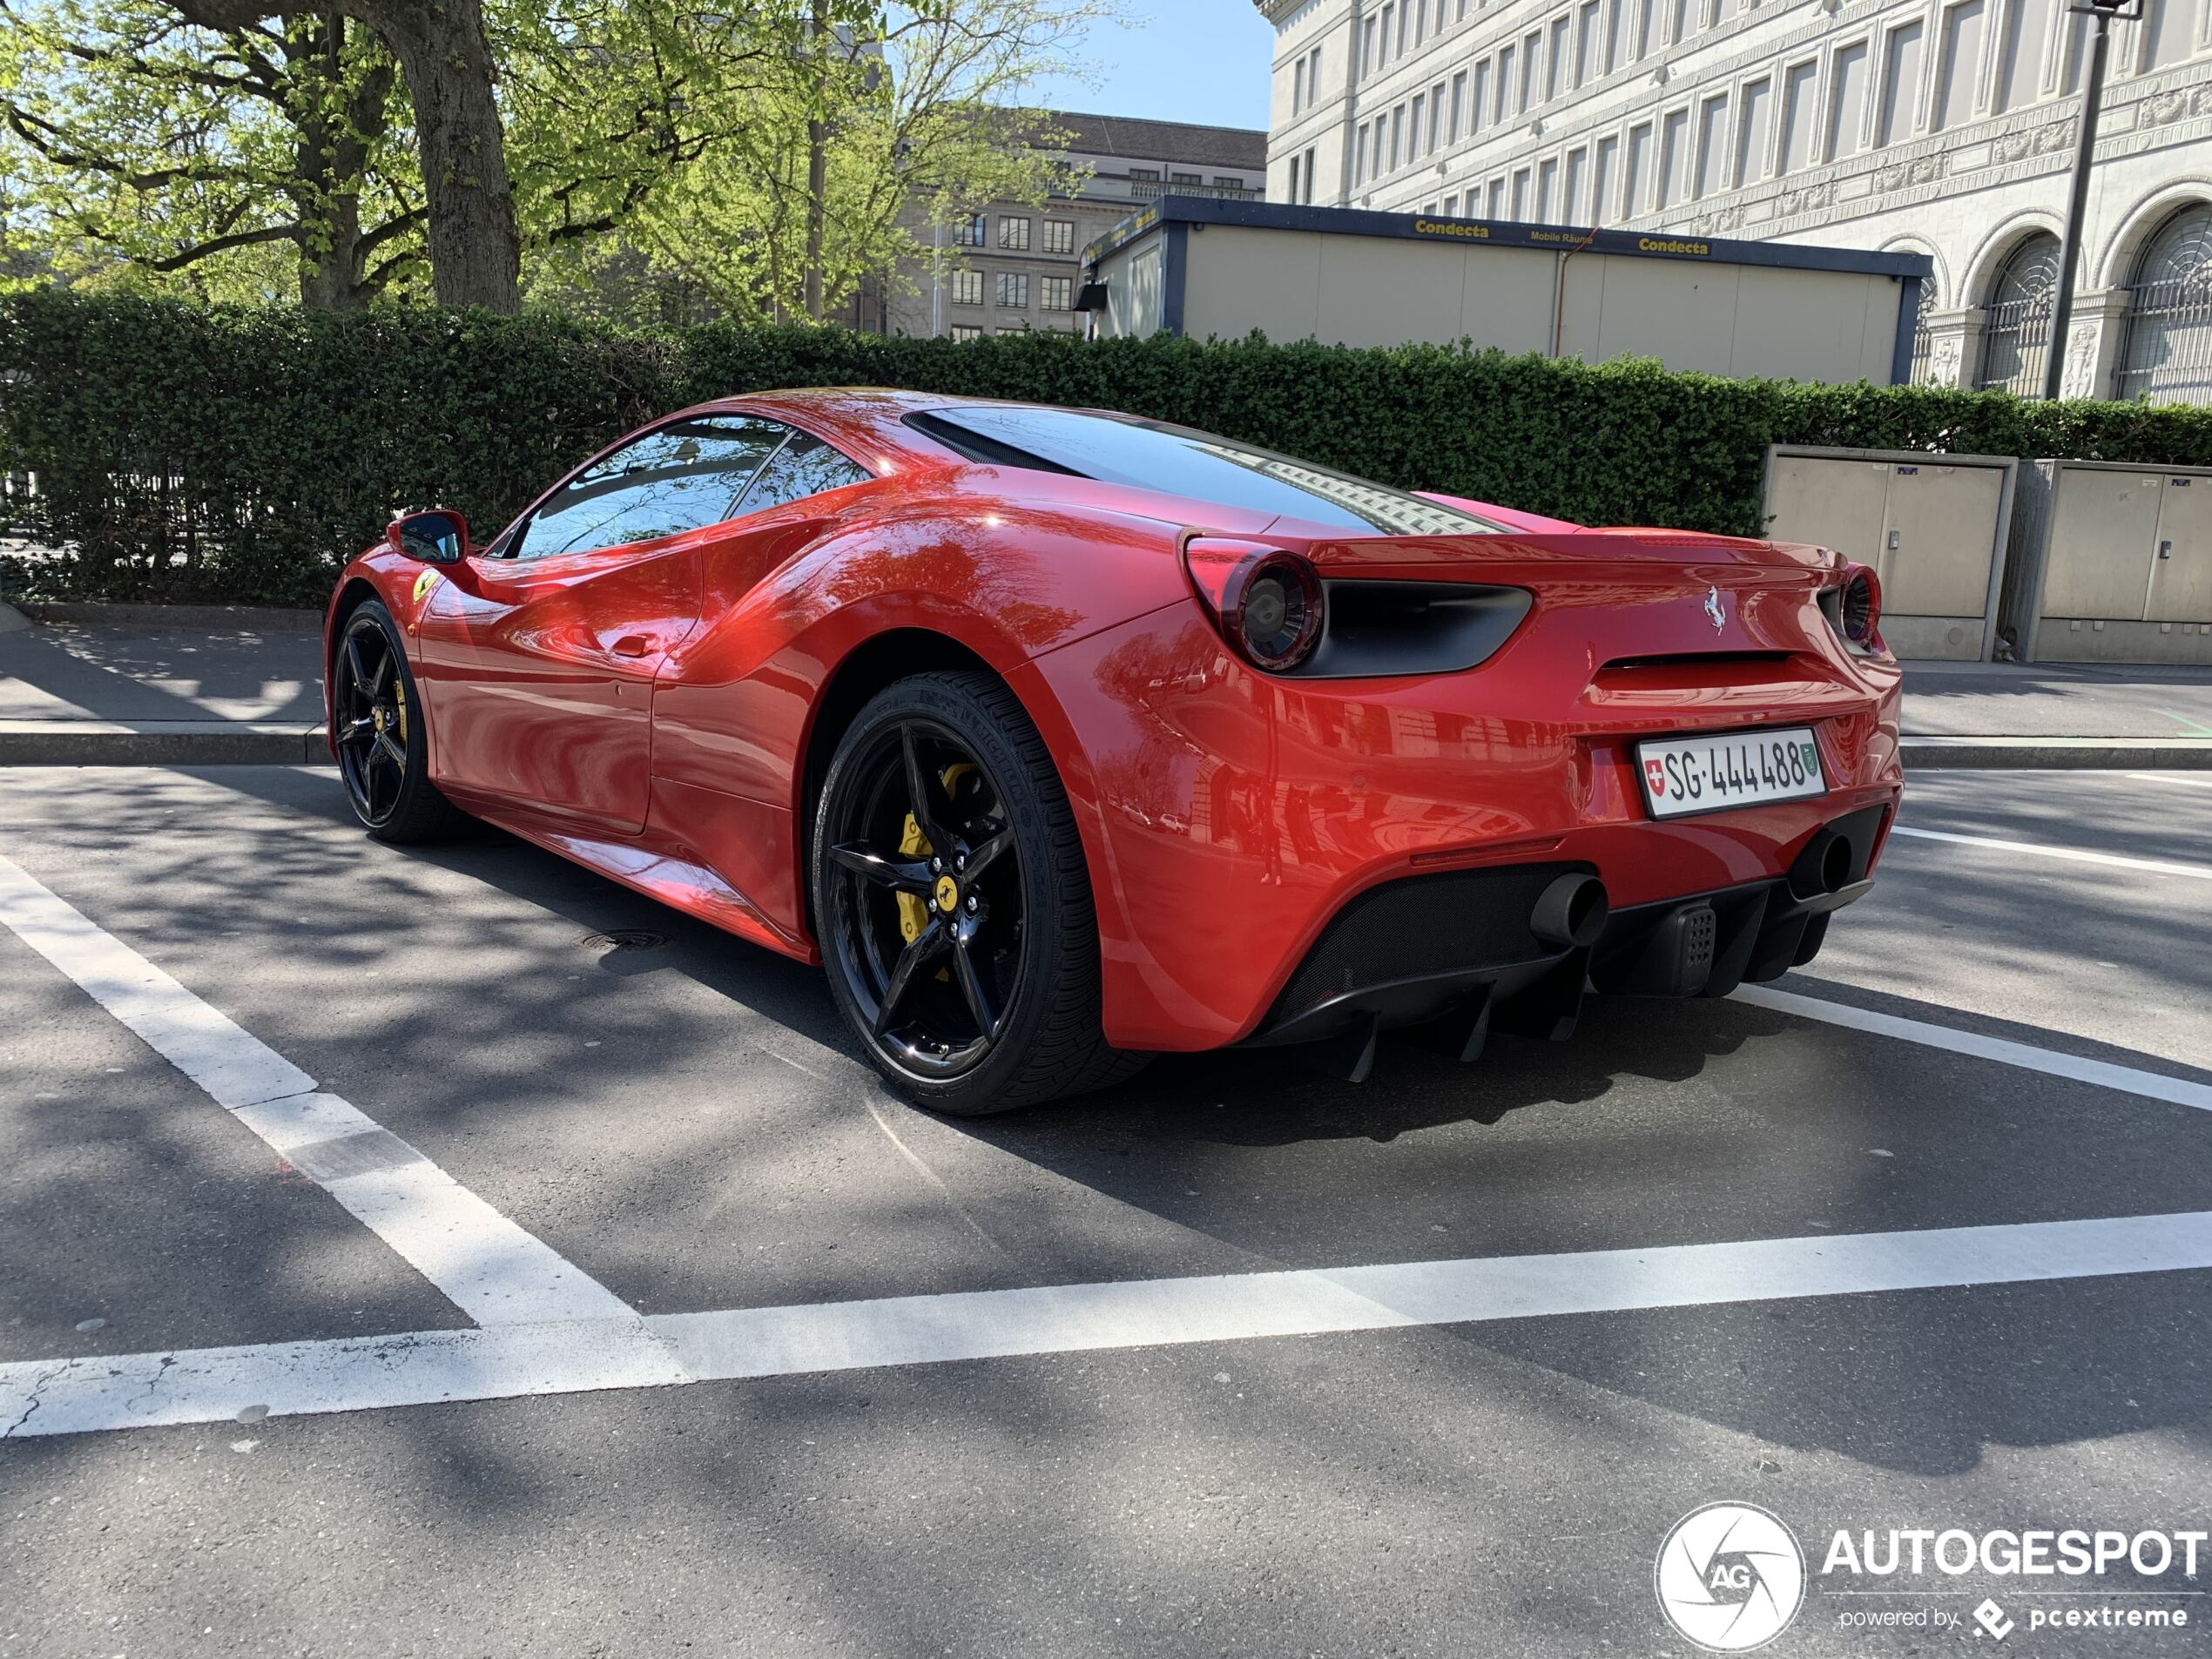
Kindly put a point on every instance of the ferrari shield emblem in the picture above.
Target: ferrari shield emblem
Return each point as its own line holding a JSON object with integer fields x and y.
{"x": 423, "y": 583}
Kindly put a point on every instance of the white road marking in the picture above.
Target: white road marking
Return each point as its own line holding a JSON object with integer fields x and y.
{"x": 2127, "y": 1080}
{"x": 491, "y": 1269}
{"x": 2079, "y": 855}
{"x": 211, "y": 1386}
{"x": 2187, "y": 781}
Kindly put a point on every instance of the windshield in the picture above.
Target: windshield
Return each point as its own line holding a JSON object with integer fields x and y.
{"x": 1123, "y": 449}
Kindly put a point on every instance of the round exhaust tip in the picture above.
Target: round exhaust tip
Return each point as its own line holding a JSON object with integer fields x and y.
{"x": 1835, "y": 864}
{"x": 1570, "y": 913}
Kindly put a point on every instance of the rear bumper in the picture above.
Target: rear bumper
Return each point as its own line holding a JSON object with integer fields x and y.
{"x": 1459, "y": 949}
{"x": 1229, "y": 818}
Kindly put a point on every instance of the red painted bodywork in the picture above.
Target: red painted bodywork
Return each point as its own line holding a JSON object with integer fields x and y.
{"x": 648, "y": 711}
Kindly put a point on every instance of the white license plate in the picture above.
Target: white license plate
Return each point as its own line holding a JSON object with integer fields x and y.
{"x": 1684, "y": 774}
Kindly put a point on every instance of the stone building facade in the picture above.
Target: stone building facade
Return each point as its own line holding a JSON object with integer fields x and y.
{"x": 1937, "y": 126}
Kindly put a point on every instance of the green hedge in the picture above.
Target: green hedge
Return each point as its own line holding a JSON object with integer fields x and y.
{"x": 187, "y": 452}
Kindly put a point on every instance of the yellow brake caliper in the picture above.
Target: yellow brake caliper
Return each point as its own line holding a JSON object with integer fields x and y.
{"x": 913, "y": 909}
{"x": 399, "y": 702}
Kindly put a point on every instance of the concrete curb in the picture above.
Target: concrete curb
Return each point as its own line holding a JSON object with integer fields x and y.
{"x": 12, "y": 620}
{"x": 2057, "y": 754}
{"x": 159, "y": 743}
{"x": 255, "y": 619}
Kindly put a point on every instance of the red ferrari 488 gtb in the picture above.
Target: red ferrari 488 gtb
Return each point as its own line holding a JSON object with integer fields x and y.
{"x": 1061, "y": 738}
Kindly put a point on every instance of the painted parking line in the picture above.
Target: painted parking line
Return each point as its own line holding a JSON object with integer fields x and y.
{"x": 2161, "y": 867}
{"x": 2127, "y": 1080}
{"x": 82, "y": 1396}
{"x": 491, "y": 1269}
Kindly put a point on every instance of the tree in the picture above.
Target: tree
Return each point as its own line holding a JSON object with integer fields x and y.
{"x": 145, "y": 144}
{"x": 445, "y": 59}
{"x": 775, "y": 162}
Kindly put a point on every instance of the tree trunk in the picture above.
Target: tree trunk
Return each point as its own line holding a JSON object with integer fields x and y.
{"x": 475, "y": 254}
{"x": 817, "y": 160}
{"x": 330, "y": 160}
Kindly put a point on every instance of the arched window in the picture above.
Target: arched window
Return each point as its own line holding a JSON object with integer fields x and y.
{"x": 2168, "y": 355}
{"x": 2016, "y": 328}
{"x": 1923, "y": 337}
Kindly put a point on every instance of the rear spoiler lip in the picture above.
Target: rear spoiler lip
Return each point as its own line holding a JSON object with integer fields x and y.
{"x": 1527, "y": 556}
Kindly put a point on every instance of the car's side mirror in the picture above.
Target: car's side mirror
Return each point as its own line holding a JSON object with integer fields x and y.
{"x": 439, "y": 536}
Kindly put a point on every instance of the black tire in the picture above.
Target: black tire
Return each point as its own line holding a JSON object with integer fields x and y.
{"x": 1011, "y": 1016}
{"x": 383, "y": 748}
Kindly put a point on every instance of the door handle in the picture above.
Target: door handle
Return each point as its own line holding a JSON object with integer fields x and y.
{"x": 2165, "y": 549}
{"x": 632, "y": 645}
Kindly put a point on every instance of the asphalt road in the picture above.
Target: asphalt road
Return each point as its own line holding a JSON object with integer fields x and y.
{"x": 685, "y": 1128}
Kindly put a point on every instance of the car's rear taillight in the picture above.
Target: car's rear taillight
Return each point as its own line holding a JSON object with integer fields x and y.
{"x": 1266, "y": 603}
{"x": 1861, "y": 610}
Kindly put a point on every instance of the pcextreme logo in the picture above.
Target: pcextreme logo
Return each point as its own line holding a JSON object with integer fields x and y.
{"x": 1730, "y": 1577}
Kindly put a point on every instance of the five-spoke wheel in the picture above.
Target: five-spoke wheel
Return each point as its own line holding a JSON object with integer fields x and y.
{"x": 376, "y": 726}
{"x": 952, "y": 904}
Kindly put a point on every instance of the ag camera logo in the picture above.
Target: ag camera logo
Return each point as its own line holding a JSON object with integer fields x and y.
{"x": 1730, "y": 1577}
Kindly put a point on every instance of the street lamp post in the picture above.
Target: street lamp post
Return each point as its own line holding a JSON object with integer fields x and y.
{"x": 2101, "y": 12}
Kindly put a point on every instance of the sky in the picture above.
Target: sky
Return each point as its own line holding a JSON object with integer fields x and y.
{"x": 1203, "y": 61}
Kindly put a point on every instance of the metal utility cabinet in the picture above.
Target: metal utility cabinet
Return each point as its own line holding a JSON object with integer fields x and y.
{"x": 1932, "y": 527}
{"x": 2112, "y": 564}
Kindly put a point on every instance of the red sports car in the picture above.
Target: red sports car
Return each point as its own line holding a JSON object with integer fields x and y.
{"x": 1063, "y": 738}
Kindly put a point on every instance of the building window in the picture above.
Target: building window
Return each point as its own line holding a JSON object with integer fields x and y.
{"x": 1014, "y": 231}
{"x": 967, "y": 287}
{"x": 1636, "y": 187}
{"x": 1532, "y": 52}
{"x": 1556, "y": 60}
{"x": 1587, "y": 44}
{"x": 1014, "y": 328}
{"x": 1900, "y": 85}
{"x": 1389, "y": 16}
{"x": 2018, "y": 317}
{"x": 1435, "y": 116}
{"x": 1754, "y": 132}
{"x": 1674, "y": 158}
{"x": 1497, "y": 198}
{"x": 1308, "y": 197}
{"x": 1359, "y": 155}
{"x": 1148, "y": 175}
{"x": 1601, "y": 180}
{"x": 1960, "y": 73}
{"x": 1313, "y": 76}
{"x": 1291, "y": 193}
{"x": 1578, "y": 168}
{"x": 966, "y": 331}
{"x": 1482, "y": 115}
{"x": 1505, "y": 61}
{"x": 1055, "y": 293}
{"x": 1459, "y": 107}
{"x": 1297, "y": 87}
{"x": 1013, "y": 290}
{"x": 1414, "y": 136}
{"x": 1060, "y": 236}
{"x": 1547, "y": 190}
{"x": 1712, "y": 146}
{"x": 1367, "y": 49}
{"x": 1847, "y": 102}
{"x": 2168, "y": 353}
{"x": 1798, "y": 93}
{"x": 1451, "y": 207}
{"x": 1520, "y": 195}
{"x": 2027, "y": 29}
{"x": 968, "y": 230}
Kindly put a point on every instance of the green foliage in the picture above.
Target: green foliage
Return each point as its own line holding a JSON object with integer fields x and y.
{"x": 245, "y": 453}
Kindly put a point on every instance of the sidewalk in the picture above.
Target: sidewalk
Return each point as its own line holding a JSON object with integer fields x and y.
{"x": 201, "y": 685}
{"x": 142, "y": 685}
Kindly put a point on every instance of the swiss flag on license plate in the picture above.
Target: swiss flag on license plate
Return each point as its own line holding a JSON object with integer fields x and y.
{"x": 1655, "y": 774}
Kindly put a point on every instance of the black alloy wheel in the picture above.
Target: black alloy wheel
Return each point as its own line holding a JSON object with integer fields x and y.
{"x": 376, "y": 722}
{"x": 952, "y": 901}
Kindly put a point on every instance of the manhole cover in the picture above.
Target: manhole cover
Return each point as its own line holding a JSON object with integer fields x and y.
{"x": 627, "y": 939}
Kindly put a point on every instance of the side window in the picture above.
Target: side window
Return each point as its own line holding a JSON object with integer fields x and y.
{"x": 804, "y": 466}
{"x": 678, "y": 478}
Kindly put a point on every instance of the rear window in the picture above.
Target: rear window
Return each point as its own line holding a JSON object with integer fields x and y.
{"x": 1123, "y": 449}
